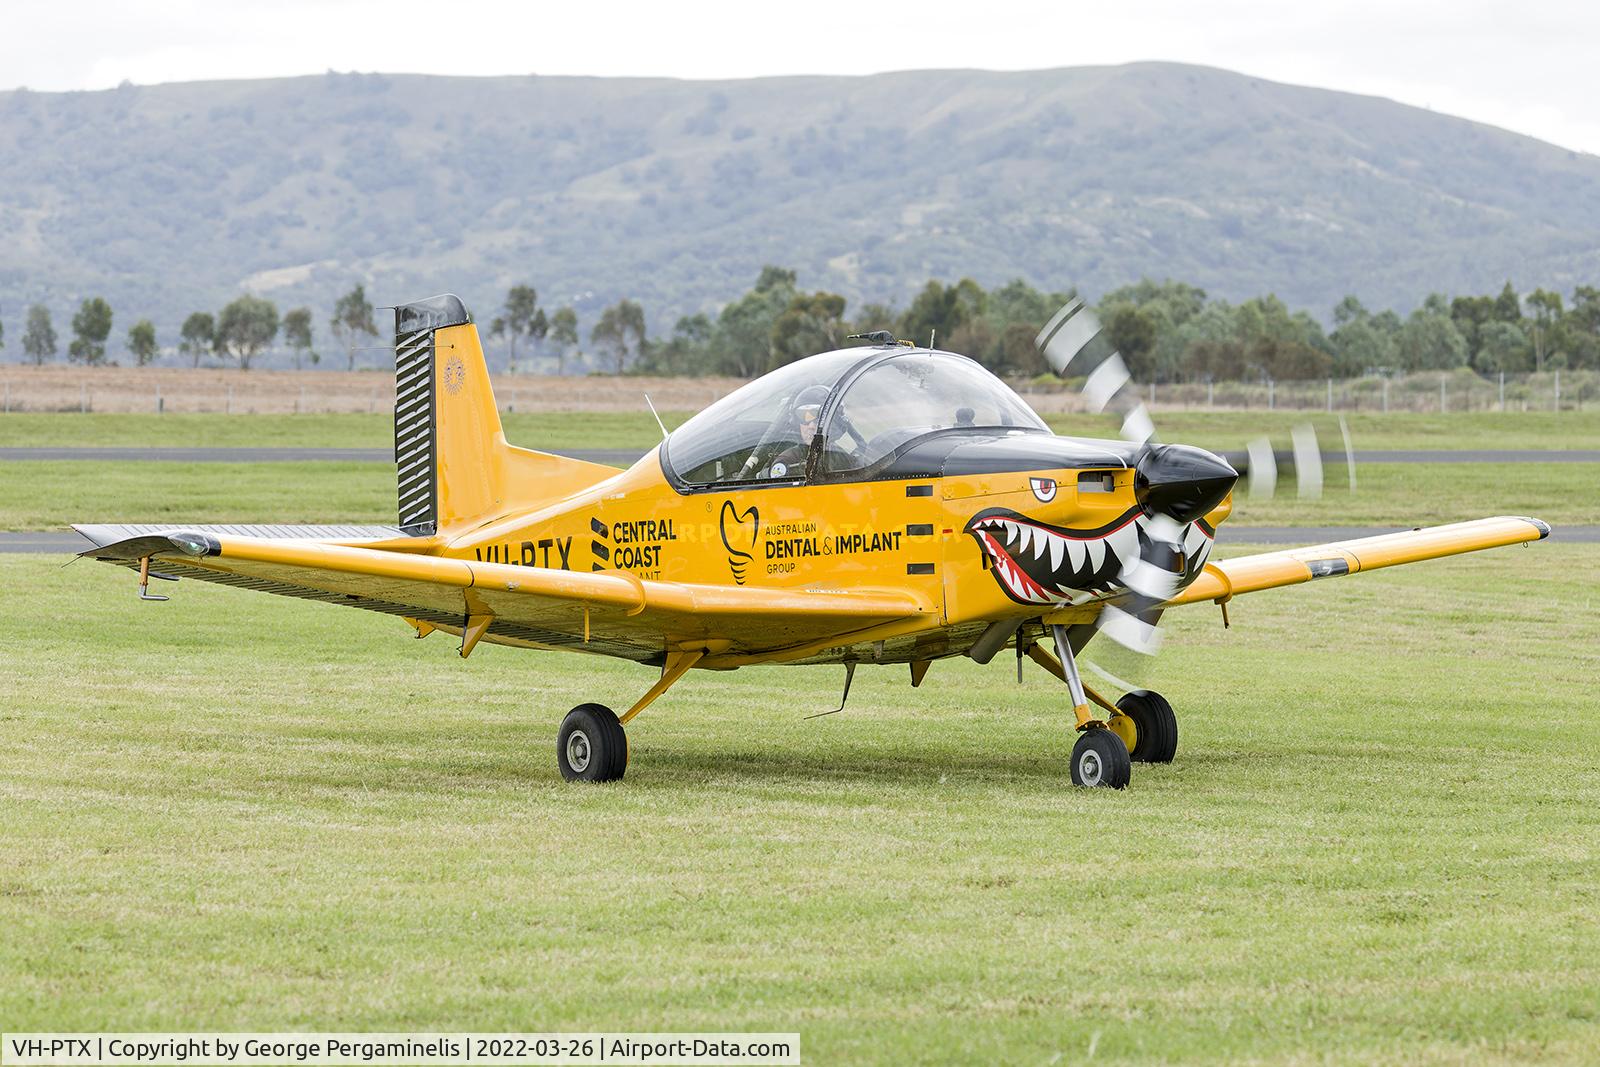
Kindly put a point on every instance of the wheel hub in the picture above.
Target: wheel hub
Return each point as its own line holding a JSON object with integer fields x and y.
{"x": 578, "y": 751}
{"x": 1089, "y": 767}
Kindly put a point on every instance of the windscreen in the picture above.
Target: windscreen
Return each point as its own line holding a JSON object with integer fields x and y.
{"x": 762, "y": 431}
{"x": 906, "y": 397}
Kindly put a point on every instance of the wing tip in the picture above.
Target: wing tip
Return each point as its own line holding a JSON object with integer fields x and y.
{"x": 1538, "y": 524}
{"x": 177, "y": 541}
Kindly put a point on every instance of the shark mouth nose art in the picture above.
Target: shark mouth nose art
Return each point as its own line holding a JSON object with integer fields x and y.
{"x": 1037, "y": 563}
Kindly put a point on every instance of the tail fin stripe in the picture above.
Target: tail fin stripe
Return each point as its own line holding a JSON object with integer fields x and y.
{"x": 414, "y": 439}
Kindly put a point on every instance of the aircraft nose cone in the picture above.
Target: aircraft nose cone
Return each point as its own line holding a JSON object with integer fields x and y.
{"x": 1181, "y": 481}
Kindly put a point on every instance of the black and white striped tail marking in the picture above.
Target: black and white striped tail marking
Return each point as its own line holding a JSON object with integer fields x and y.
{"x": 415, "y": 452}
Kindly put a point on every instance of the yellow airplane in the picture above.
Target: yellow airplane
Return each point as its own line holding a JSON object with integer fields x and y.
{"x": 878, "y": 504}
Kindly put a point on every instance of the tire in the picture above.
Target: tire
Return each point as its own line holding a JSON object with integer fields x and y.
{"x": 1100, "y": 759}
{"x": 1155, "y": 724}
{"x": 591, "y": 746}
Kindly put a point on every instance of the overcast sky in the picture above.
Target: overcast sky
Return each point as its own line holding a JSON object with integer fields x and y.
{"x": 1533, "y": 67}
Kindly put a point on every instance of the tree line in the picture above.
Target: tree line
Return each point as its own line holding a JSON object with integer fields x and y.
{"x": 238, "y": 334}
{"x": 1167, "y": 331}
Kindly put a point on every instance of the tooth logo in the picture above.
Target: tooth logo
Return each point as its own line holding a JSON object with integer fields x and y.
{"x": 1044, "y": 489}
{"x": 739, "y": 530}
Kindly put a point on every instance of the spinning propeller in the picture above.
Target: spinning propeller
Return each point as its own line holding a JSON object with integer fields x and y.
{"x": 1175, "y": 485}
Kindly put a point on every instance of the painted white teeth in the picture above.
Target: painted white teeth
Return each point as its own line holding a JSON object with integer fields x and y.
{"x": 1058, "y": 547}
{"x": 1075, "y": 554}
{"x": 1024, "y": 537}
{"x": 1097, "y": 554}
{"x": 1124, "y": 542}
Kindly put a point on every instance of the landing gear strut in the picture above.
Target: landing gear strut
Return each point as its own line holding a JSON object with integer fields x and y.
{"x": 1100, "y": 758}
{"x": 592, "y": 745}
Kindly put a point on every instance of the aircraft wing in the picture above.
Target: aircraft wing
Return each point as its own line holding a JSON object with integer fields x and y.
{"x": 1269, "y": 570}
{"x": 613, "y": 613}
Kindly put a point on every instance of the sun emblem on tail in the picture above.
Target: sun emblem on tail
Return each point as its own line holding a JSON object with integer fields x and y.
{"x": 455, "y": 375}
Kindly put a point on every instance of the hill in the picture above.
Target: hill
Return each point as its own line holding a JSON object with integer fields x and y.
{"x": 170, "y": 198}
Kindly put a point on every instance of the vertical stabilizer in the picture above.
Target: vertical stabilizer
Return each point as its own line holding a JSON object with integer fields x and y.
{"x": 454, "y": 465}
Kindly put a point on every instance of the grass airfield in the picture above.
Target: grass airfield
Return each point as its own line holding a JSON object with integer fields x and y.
{"x": 1380, "y": 841}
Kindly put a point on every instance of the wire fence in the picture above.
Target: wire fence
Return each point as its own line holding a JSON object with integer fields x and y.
{"x": 1433, "y": 391}
{"x": 172, "y": 390}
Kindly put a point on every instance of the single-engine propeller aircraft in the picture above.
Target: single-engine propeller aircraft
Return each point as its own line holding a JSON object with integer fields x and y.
{"x": 879, "y": 504}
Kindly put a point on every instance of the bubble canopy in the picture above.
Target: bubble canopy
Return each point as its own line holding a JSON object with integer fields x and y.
{"x": 841, "y": 416}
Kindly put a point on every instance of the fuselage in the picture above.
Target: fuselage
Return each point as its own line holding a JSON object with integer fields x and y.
{"x": 979, "y": 527}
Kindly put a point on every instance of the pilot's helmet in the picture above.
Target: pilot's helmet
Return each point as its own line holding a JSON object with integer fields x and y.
{"x": 808, "y": 409}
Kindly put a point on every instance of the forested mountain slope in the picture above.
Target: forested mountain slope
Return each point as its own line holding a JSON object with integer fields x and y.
{"x": 169, "y": 198}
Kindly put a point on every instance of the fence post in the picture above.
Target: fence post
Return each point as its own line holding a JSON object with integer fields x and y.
{"x": 300, "y": 402}
{"x": 1211, "y": 394}
{"x": 1386, "y": 396}
{"x": 1441, "y": 394}
{"x": 372, "y": 402}
{"x": 229, "y": 408}
{"x": 1152, "y": 394}
{"x": 83, "y": 398}
{"x": 8, "y": 396}
{"x": 1272, "y": 394}
{"x": 1502, "y": 390}
{"x": 1558, "y": 390}
{"x": 160, "y": 404}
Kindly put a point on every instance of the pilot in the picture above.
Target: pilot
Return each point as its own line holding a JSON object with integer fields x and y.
{"x": 791, "y": 462}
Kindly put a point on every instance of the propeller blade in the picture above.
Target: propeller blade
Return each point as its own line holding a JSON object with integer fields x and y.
{"x": 1152, "y": 578}
{"x": 1307, "y": 462}
{"x": 1262, "y": 468}
{"x": 1349, "y": 451}
{"x": 1137, "y": 426}
{"x": 1106, "y": 381}
{"x": 1130, "y": 631}
{"x": 1068, "y": 333}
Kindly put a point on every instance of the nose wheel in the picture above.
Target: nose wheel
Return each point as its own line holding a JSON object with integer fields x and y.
{"x": 1100, "y": 759}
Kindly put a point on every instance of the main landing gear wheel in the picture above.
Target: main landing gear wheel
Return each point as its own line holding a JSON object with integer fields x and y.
{"x": 1155, "y": 726}
{"x": 1100, "y": 759}
{"x": 592, "y": 746}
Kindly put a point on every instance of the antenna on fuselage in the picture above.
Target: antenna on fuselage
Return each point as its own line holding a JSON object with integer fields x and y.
{"x": 657, "y": 415}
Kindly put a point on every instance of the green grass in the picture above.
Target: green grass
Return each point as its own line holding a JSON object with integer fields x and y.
{"x": 1411, "y": 494}
{"x": 1220, "y": 430}
{"x": 51, "y": 494}
{"x": 552, "y": 430}
{"x": 1378, "y": 844}
{"x": 42, "y": 495}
